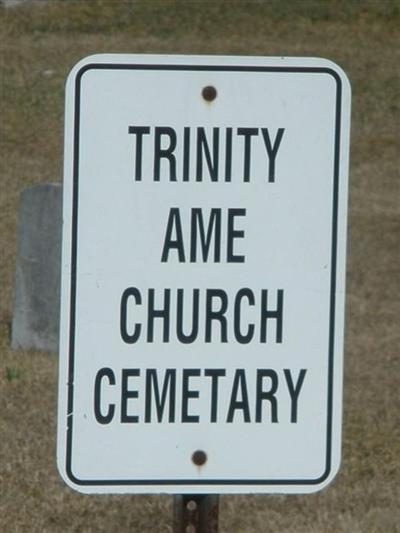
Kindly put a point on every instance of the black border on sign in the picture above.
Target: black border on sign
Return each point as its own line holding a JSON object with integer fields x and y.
{"x": 74, "y": 252}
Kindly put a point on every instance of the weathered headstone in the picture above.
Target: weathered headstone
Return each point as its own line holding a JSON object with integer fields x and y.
{"x": 37, "y": 284}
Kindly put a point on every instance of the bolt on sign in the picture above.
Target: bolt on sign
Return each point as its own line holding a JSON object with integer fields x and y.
{"x": 203, "y": 274}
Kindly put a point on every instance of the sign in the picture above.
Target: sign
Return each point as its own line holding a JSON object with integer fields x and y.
{"x": 203, "y": 274}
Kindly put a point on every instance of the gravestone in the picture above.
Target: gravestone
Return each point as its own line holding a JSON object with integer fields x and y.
{"x": 35, "y": 322}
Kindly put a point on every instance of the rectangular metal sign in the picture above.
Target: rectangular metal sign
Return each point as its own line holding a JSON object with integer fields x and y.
{"x": 203, "y": 274}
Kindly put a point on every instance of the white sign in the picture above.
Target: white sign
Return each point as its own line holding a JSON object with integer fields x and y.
{"x": 203, "y": 274}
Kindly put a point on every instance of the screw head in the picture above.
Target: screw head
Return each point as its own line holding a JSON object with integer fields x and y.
{"x": 199, "y": 458}
{"x": 209, "y": 93}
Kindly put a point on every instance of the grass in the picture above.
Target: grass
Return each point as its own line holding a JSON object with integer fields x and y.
{"x": 39, "y": 43}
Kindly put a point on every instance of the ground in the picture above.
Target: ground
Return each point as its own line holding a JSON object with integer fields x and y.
{"x": 40, "y": 42}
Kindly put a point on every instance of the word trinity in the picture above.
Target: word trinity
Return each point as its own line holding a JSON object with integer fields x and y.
{"x": 196, "y": 154}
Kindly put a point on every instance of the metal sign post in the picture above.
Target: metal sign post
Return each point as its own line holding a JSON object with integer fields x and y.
{"x": 196, "y": 513}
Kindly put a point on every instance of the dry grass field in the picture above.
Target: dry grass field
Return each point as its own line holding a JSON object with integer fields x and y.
{"x": 40, "y": 42}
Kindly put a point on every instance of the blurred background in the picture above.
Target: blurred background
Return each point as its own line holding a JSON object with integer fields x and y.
{"x": 40, "y": 41}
